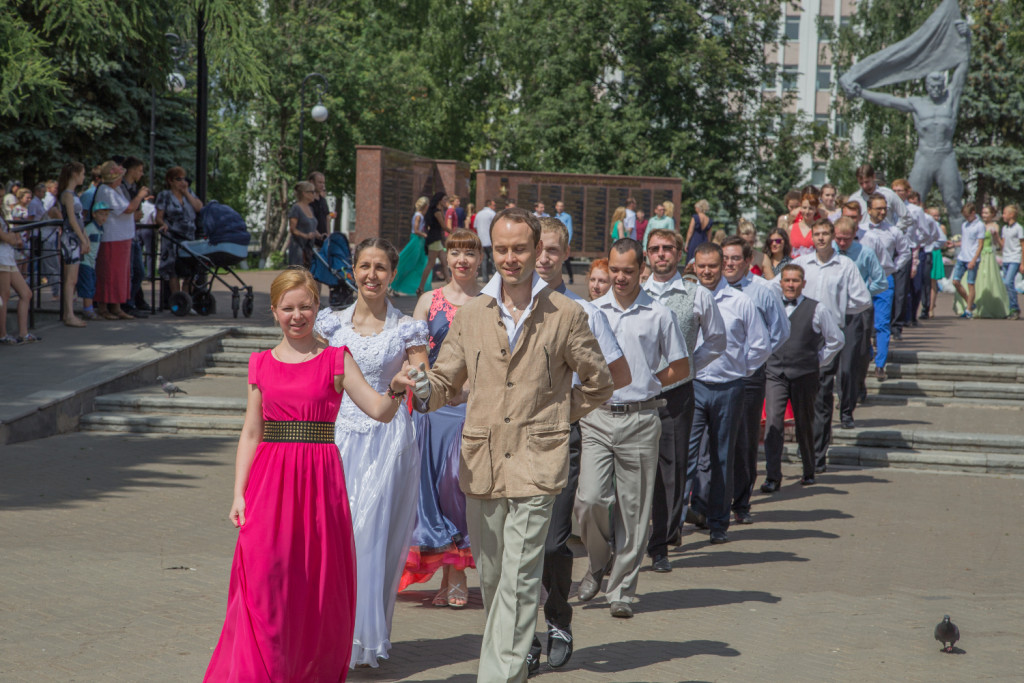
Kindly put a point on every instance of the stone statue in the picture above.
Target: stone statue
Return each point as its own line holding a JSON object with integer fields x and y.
{"x": 943, "y": 42}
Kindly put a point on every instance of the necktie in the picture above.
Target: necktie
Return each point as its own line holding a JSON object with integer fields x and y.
{"x": 789, "y": 302}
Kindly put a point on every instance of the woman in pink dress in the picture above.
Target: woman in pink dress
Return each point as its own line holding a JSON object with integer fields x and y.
{"x": 292, "y": 593}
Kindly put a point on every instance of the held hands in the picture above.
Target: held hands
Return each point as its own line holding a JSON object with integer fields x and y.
{"x": 418, "y": 380}
{"x": 237, "y": 514}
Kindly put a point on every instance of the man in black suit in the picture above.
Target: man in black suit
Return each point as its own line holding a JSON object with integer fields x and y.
{"x": 792, "y": 374}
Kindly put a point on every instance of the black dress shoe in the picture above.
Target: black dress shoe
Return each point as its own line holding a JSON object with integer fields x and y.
{"x": 533, "y": 657}
{"x": 847, "y": 423}
{"x": 807, "y": 481}
{"x": 718, "y": 536}
{"x": 742, "y": 518}
{"x": 697, "y": 519}
{"x": 590, "y": 585}
{"x": 559, "y": 646}
{"x": 769, "y": 486}
{"x": 820, "y": 469}
{"x": 661, "y": 564}
{"x": 621, "y": 610}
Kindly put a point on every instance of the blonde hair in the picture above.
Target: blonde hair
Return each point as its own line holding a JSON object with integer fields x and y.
{"x": 304, "y": 186}
{"x": 553, "y": 225}
{"x": 295, "y": 277}
{"x": 718, "y": 237}
{"x": 745, "y": 227}
{"x": 670, "y": 208}
{"x": 619, "y": 214}
{"x": 702, "y": 206}
{"x": 422, "y": 203}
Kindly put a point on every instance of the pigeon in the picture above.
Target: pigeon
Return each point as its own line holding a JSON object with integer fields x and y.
{"x": 171, "y": 389}
{"x": 947, "y": 632}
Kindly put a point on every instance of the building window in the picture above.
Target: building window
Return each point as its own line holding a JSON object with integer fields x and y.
{"x": 824, "y": 78}
{"x": 792, "y": 27}
{"x": 841, "y": 130}
{"x": 818, "y": 175}
{"x": 790, "y": 76}
{"x": 821, "y": 122}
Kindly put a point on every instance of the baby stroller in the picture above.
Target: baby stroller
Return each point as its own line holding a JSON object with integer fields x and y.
{"x": 332, "y": 265}
{"x": 226, "y": 245}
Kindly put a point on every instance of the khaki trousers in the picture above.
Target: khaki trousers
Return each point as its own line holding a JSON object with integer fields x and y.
{"x": 617, "y": 470}
{"x": 508, "y": 546}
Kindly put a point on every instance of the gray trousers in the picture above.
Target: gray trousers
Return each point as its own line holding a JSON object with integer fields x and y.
{"x": 508, "y": 547}
{"x": 617, "y": 468}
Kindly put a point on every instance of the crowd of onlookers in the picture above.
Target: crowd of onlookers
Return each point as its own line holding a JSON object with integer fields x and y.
{"x": 95, "y": 252}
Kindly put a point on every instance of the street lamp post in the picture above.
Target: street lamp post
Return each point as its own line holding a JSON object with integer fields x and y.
{"x": 319, "y": 111}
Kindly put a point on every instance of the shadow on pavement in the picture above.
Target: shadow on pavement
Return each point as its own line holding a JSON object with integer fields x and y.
{"x": 753, "y": 533}
{"x": 799, "y": 515}
{"x": 662, "y": 601}
{"x": 630, "y": 654}
{"x": 63, "y": 471}
{"x": 411, "y": 657}
{"x": 730, "y": 558}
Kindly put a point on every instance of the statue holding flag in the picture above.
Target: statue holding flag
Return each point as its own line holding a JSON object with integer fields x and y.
{"x": 943, "y": 42}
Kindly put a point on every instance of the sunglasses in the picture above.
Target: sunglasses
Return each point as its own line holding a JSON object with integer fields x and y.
{"x": 775, "y": 240}
{"x": 657, "y": 248}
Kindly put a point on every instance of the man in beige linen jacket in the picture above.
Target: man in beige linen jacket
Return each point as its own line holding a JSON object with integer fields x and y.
{"x": 516, "y": 348}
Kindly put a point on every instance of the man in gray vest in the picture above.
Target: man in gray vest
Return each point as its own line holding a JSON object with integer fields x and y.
{"x": 792, "y": 374}
{"x": 697, "y": 314}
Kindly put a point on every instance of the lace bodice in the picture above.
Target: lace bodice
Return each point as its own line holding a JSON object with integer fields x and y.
{"x": 379, "y": 356}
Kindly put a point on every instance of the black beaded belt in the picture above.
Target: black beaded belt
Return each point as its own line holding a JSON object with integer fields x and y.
{"x": 295, "y": 431}
{"x": 634, "y": 407}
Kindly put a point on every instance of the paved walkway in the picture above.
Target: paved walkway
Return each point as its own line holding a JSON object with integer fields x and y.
{"x": 116, "y": 553}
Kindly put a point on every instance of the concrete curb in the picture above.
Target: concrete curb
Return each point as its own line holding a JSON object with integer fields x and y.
{"x": 947, "y": 461}
{"x": 58, "y": 410}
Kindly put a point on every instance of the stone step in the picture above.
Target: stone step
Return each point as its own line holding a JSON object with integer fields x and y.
{"x": 907, "y": 439}
{"x": 248, "y": 344}
{"x": 162, "y": 424}
{"x": 1002, "y": 391}
{"x": 192, "y": 406}
{"x": 944, "y": 358}
{"x": 975, "y": 462}
{"x": 271, "y": 332}
{"x": 228, "y": 359}
{"x": 954, "y": 372}
{"x": 212, "y": 370}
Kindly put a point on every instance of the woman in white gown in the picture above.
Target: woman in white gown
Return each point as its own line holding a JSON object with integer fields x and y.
{"x": 381, "y": 460}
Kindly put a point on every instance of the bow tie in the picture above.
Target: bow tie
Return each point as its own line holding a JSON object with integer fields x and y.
{"x": 736, "y": 285}
{"x": 789, "y": 302}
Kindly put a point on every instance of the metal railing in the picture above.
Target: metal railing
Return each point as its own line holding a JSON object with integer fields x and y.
{"x": 39, "y": 250}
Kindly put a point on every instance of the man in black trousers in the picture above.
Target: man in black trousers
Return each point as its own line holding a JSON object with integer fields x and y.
{"x": 792, "y": 374}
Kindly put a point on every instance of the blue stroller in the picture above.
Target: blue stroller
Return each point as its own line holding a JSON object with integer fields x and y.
{"x": 332, "y": 265}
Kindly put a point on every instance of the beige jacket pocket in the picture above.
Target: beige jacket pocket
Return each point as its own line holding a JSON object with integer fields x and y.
{"x": 476, "y": 475}
{"x": 548, "y": 447}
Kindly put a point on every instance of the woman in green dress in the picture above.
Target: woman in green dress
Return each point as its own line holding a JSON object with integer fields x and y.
{"x": 991, "y": 300}
{"x": 413, "y": 258}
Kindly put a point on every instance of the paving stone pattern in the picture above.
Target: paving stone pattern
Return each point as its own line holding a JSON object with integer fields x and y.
{"x": 116, "y": 552}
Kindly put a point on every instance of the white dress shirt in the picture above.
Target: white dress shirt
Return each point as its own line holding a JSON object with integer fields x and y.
{"x": 748, "y": 345}
{"x": 934, "y": 232}
{"x": 513, "y": 328}
{"x": 629, "y": 223}
{"x": 890, "y": 245}
{"x": 919, "y": 233}
{"x": 824, "y": 323}
{"x": 711, "y": 337}
{"x": 647, "y": 332}
{"x": 896, "y": 210}
{"x": 769, "y": 305}
{"x": 599, "y": 326}
{"x": 483, "y": 225}
{"x": 971, "y": 234}
{"x": 835, "y": 284}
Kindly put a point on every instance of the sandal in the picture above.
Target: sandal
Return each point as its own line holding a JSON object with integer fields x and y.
{"x": 8, "y": 340}
{"x": 458, "y": 594}
{"x": 441, "y": 599}
{"x": 29, "y": 339}
{"x": 75, "y": 323}
{"x": 107, "y": 315}
{"x": 124, "y": 316}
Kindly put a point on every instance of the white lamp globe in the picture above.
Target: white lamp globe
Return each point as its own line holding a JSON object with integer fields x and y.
{"x": 175, "y": 82}
{"x": 319, "y": 113}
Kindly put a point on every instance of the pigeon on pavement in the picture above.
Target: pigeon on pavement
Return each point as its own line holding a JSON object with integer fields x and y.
{"x": 171, "y": 389}
{"x": 947, "y": 632}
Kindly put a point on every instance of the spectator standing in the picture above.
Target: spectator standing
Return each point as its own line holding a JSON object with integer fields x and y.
{"x": 972, "y": 240}
{"x": 641, "y": 227}
{"x": 452, "y": 219}
{"x": 938, "y": 263}
{"x": 133, "y": 172}
{"x": 113, "y": 263}
{"x": 483, "y": 230}
{"x": 49, "y": 264}
{"x": 11, "y": 278}
{"x": 460, "y": 213}
{"x": 87, "y": 268}
{"x": 302, "y": 226}
{"x": 566, "y": 218}
{"x": 10, "y": 198}
{"x": 20, "y": 211}
{"x": 629, "y": 222}
{"x": 618, "y": 227}
{"x": 73, "y": 242}
{"x": 699, "y": 230}
{"x": 321, "y": 211}
{"x": 1013, "y": 241}
{"x": 759, "y": 264}
{"x": 471, "y": 217}
{"x": 90, "y": 193}
{"x": 413, "y": 256}
{"x": 176, "y": 211}
{"x": 436, "y": 218}
{"x": 539, "y": 210}
{"x": 50, "y": 198}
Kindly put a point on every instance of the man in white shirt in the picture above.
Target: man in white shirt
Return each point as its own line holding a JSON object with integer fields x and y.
{"x": 738, "y": 256}
{"x": 558, "y": 557}
{"x": 629, "y": 222}
{"x": 903, "y": 276}
{"x": 869, "y": 186}
{"x": 484, "y": 217}
{"x": 1013, "y": 241}
{"x": 793, "y": 369}
{"x": 835, "y": 283}
{"x": 704, "y": 333}
{"x": 893, "y": 251}
{"x": 718, "y": 393}
{"x": 928, "y": 237}
{"x": 972, "y": 239}
{"x": 620, "y": 438}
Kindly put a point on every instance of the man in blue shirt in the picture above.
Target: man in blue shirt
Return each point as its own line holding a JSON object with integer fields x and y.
{"x": 854, "y": 358}
{"x": 566, "y": 219}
